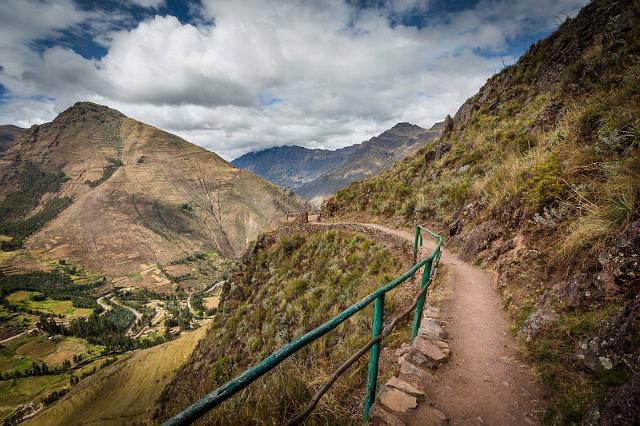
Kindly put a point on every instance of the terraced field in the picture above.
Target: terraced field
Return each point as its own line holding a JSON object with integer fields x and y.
{"x": 19, "y": 354}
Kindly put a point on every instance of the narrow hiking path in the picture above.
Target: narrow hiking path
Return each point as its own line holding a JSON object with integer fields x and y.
{"x": 485, "y": 380}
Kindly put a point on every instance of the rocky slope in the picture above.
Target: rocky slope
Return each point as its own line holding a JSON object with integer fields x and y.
{"x": 316, "y": 173}
{"x": 8, "y": 134}
{"x": 121, "y": 196}
{"x": 538, "y": 177}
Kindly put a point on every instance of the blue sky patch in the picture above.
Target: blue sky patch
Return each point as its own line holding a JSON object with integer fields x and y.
{"x": 268, "y": 100}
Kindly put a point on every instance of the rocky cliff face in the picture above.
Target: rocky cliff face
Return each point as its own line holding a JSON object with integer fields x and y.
{"x": 316, "y": 174}
{"x": 538, "y": 177}
{"x": 137, "y": 196}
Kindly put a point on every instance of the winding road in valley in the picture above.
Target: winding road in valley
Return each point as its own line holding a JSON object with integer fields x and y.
{"x": 101, "y": 301}
{"x": 107, "y": 307}
{"x": 486, "y": 381}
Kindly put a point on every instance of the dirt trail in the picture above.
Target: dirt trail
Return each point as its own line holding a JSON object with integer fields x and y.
{"x": 485, "y": 381}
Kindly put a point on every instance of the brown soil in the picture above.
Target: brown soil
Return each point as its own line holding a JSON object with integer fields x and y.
{"x": 211, "y": 302}
{"x": 485, "y": 381}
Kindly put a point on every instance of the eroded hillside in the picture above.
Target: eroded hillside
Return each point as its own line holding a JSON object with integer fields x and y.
{"x": 118, "y": 196}
{"x": 538, "y": 177}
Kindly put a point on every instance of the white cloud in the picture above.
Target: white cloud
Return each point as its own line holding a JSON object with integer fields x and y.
{"x": 319, "y": 74}
{"x": 25, "y": 20}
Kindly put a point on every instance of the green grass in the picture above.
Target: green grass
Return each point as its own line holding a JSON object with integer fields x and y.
{"x": 525, "y": 309}
{"x": 135, "y": 277}
{"x": 19, "y": 391}
{"x": 289, "y": 285}
{"x": 13, "y": 322}
{"x": 58, "y": 307}
{"x": 56, "y": 285}
{"x": 18, "y": 354}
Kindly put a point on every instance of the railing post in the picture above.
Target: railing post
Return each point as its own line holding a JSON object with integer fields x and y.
{"x": 417, "y": 315}
{"x": 374, "y": 355}
{"x": 416, "y": 241}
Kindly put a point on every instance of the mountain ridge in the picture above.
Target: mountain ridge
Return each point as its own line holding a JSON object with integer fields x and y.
{"x": 8, "y": 133}
{"x": 317, "y": 173}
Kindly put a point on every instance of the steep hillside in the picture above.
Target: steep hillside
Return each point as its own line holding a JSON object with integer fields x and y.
{"x": 118, "y": 196}
{"x": 538, "y": 177}
{"x": 287, "y": 284}
{"x": 317, "y": 174}
{"x": 8, "y": 134}
{"x": 125, "y": 392}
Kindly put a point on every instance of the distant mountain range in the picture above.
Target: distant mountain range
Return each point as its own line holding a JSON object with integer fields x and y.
{"x": 8, "y": 134}
{"x": 316, "y": 174}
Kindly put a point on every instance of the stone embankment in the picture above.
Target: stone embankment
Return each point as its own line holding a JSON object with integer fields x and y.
{"x": 404, "y": 392}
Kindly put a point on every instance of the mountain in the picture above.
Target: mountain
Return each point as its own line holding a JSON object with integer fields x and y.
{"x": 117, "y": 196}
{"x": 317, "y": 173}
{"x": 292, "y": 166}
{"x": 370, "y": 157}
{"x": 8, "y": 134}
{"x": 538, "y": 177}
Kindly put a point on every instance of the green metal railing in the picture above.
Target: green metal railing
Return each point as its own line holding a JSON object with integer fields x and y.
{"x": 224, "y": 392}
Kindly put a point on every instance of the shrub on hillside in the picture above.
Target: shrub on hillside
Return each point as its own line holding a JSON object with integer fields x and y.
{"x": 544, "y": 185}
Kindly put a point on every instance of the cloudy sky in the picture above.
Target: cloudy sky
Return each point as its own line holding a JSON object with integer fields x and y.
{"x": 241, "y": 75}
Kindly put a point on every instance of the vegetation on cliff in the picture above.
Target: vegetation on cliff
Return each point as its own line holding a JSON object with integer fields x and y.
{"x": 287, "y": 285}
{"x": 538, "y": 175}
{"x": 18, "y": 219}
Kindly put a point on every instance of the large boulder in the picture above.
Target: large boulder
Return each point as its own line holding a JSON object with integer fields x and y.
{"x": 543, "y": 317}
{"x": 396, "y": 400}
{"x": 437, "y": 152}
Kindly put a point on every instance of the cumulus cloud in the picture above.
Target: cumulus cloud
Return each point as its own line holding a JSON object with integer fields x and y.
{"x": 26, "y": 20}
{"x": 253, "y": 74}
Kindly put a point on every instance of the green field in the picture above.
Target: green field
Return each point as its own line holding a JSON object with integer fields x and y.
{"x": 12, "y": 323}
{"x": 19, "y": 391}
{"x": 58, "y": 307}
{"x": 20, "y": 353}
